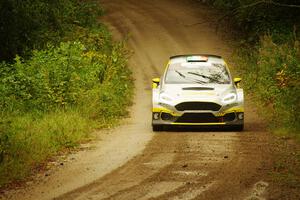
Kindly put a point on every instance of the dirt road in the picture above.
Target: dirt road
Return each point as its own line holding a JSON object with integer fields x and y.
{"x": 131, "y": 162}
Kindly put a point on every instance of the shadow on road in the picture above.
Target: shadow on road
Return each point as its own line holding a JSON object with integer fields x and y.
{"x": 197, "y": 129}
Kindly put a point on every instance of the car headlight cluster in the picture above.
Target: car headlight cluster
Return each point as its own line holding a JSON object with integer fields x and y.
{"x": 229, "y": 98}
{"x": 165, "y": 100}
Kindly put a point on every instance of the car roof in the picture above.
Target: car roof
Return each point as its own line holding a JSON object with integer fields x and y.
{"x": 187, "y": 55}
{"x": 204, "y": 58}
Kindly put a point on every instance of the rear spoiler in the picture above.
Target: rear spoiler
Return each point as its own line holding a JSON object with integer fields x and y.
{"x": 186, "y": 55}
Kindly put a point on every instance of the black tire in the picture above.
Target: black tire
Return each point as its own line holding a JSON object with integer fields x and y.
{"x": 238, "y": 127}
{"x": 157, "y": 128}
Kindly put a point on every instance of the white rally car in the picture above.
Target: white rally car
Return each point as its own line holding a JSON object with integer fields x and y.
{"x": 197, "y": 90}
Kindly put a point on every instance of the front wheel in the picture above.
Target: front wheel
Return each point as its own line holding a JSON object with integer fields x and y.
{"x": 157, "y": 128}
{"x": 238, "y": 127}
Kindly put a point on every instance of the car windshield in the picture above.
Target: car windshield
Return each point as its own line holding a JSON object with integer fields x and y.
{"x": 202, "y": 73}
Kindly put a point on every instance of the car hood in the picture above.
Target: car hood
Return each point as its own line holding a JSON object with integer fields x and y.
{"x": 196, "y": 92}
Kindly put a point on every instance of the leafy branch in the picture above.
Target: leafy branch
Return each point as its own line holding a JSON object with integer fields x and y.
{"x": 236, "y": 10}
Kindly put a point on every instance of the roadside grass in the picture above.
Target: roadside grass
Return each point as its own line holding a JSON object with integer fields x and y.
{"x": 29, "y": 140}
{"x": 285, "y": 133}
{"x": 55, "y": 99}
{"x": 285, "y": 174}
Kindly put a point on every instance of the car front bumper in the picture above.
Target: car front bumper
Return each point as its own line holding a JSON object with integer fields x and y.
{"x": 231, "y": 116}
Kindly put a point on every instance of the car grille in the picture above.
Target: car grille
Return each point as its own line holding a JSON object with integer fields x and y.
{"x": 204, "y": 118}
{"x": 197, "y": 106}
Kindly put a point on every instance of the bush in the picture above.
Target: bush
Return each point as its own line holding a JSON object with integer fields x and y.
{"x": 51, "y": 78}
{"x": 254, "y": 18}
{"x": 54, "y": 99}
{"x": 273, "y": 74}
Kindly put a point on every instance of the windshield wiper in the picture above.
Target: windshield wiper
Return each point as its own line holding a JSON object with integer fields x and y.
{"x": 207, "y": 77}
{"x": 183, "y": 76}
{"x": 180, "y": 74}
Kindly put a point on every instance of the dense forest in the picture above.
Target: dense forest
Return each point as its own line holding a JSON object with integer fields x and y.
{"x": 61, "y": 77}
{"x": 268, "y": 56}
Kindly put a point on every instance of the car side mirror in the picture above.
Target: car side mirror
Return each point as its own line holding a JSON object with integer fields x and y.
{"x": 237, "y": 81}
{"x": 155, "y": 82}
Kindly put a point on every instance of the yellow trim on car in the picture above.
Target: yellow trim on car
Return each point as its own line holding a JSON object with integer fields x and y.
{"x": 220, "y": 114}
{"x": 235, "y": 109}
{"x": 161, "y": 109}
{"x": 155, "y": 82}
{"x": 165, "y": 110}
{"x": 231, "y": 110}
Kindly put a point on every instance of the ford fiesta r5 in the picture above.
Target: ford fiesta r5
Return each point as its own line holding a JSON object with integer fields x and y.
{"x": 197, "y": 90}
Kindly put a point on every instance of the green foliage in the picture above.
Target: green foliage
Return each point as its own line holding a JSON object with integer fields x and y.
{"x": 255, "y": 17}
{"x": 269, "y": 55}
{"x": 70, "y": 78}
{"x": 273, "y": 75}
{"x": 54, "y": 99}
{"x": 52, "y": 77}
{"x": 31, "y": 24}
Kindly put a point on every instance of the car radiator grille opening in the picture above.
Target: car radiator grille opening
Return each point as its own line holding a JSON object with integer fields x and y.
{"x": 204, "y": 118}
{"x": 198, "y": 106}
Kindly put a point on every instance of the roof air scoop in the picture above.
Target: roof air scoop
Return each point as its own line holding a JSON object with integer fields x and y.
{"x": 195, "y": 58}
